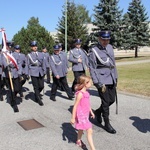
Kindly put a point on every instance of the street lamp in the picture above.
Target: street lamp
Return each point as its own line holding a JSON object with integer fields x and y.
{"x": 66, "y": 26}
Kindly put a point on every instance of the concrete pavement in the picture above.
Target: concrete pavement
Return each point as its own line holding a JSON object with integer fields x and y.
{"x": 132, "y": 124}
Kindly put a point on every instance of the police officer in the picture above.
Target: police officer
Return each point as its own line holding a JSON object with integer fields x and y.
{"x": 12, "y": 71}
{"x": 78, "y": 58}
{"x": 22, "y": 60}
{"x": 37, "y": 70}
{"x": 46, "y": 56}
{"x": 59, "y": 68}
{"x": 104, "y": 75}
{"x": 1, "y": 78}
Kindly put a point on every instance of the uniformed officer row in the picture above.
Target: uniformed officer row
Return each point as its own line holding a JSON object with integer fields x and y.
{"x": 100, "y": 61}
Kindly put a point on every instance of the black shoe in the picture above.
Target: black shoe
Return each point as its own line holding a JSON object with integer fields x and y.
{"x": 15, "y": 108}
{"x": 1, "y": 98}
{"x": 48, "y": 82}
{"x": 40, "y": 103}
{"x": 53, "y": 99}
{"x": 98, "y": 117}
{"x": 21, "y": 94}
{"x": 109, "y": 128}
{"x": 71, "y": 97}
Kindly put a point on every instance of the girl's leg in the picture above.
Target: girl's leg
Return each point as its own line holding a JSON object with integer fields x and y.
{"x": 90, "y": 139}
{"x": 80, "y": 132}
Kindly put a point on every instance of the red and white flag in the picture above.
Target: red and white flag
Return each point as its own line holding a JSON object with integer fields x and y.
{"x": 4, "y": 50}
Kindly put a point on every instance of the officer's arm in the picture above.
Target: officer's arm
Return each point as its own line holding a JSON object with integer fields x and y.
{"x": 52, "y": 66}
{"x": 93, "y": 71}
{"x": 72, "y": 59}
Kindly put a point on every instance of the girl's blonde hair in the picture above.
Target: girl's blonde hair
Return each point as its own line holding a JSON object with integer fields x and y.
{"x": 81, "y": 82}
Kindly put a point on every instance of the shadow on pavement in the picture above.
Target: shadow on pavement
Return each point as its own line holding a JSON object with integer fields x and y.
{"x": 142, "y": 125}
{"x": 69, "y": 133}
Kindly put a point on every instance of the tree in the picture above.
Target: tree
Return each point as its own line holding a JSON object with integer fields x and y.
{"x": 83, "y": 14}
{"x": 34, "y": 31}
{"x": 76, "y": 17}
{"x": 108, "y": 17}
{"x": 137, "y": 26}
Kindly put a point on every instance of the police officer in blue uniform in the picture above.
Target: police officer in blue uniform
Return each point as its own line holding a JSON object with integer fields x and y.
{"x": 22, "y": 61}
{"x": 104, "y": 75}
{"x": 46, "y": 57}
{"x": 79, "y": 59}
{"x": 58, "y": 63}
{"x": 1, "y": 78}
{"x": 37, "y": 70}
{"x": 12, "y": 71}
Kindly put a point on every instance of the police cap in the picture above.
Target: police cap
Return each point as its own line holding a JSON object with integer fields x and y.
{"x": 56, "y": 47}
{"x": 17, "y": 47}
{"x": 9, "y": 43}
{"x": 105, "y": 35}
{"x": 78, "y": 41}
{"x": 33, "y": 43}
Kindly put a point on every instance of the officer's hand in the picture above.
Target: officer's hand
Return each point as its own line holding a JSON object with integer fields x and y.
{"x": 57, "y": 77}
{"x": 79, "y": 60}
{"x": 98, "y": 86}
{"x": 11, "y": 65}
{"x": 103, "y": 88}
{"x": 20, "y": 77}
{"x": 8, "y": 68}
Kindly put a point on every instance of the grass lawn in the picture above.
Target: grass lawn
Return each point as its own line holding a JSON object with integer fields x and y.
{"x": 135, "y": 79}
{"x": 132, "y": 78}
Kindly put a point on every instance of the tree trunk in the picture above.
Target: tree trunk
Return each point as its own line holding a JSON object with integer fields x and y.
{"x": 136, "y": 51}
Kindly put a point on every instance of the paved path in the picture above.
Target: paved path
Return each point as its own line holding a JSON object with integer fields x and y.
{"x": 132, "y": 124}
{"x": 133, "y": 62}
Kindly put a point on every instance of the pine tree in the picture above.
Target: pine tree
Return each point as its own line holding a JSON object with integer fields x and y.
{"x": 137, "y": 26}
{"x": 108, "y": 17}
{"x": 75, "y": 26}
{"x": 34, "y": 31}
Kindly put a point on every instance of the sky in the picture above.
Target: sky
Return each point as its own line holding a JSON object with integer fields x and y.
{"x": 15, "y": 14}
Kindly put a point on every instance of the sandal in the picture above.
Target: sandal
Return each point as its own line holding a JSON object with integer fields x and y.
{"x": 80, "y": 144}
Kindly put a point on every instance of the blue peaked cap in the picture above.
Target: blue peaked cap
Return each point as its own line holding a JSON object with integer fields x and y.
{"x": 33, "y": 43}
{"x": 9, "y": 43}
{"x": 56, "y": 47}
{"x": 78, "y": 41}
{"x": 17, "y": 47}
{"x": 105, "y": 35}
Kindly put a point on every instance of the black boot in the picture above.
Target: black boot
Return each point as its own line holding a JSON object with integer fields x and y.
{"x": 108, "y": 126}
{"x": 1, "y": 98}
{"x": 15, "y": 108}
{"x": 38, "y": 100}
{"x": 21, "y": 94}
{"x": 97, "y": 113}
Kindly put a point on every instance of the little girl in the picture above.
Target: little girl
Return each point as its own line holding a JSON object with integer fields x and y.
{"x": 82, "y": 110}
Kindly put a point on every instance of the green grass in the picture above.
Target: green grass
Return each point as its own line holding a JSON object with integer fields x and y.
{"x": 135, "y": 79}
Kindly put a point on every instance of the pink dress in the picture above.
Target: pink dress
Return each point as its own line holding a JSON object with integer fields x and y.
{"x": 83, "y": 112}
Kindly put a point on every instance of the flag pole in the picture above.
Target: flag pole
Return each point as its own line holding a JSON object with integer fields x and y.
{"x": 15, "y": 108}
